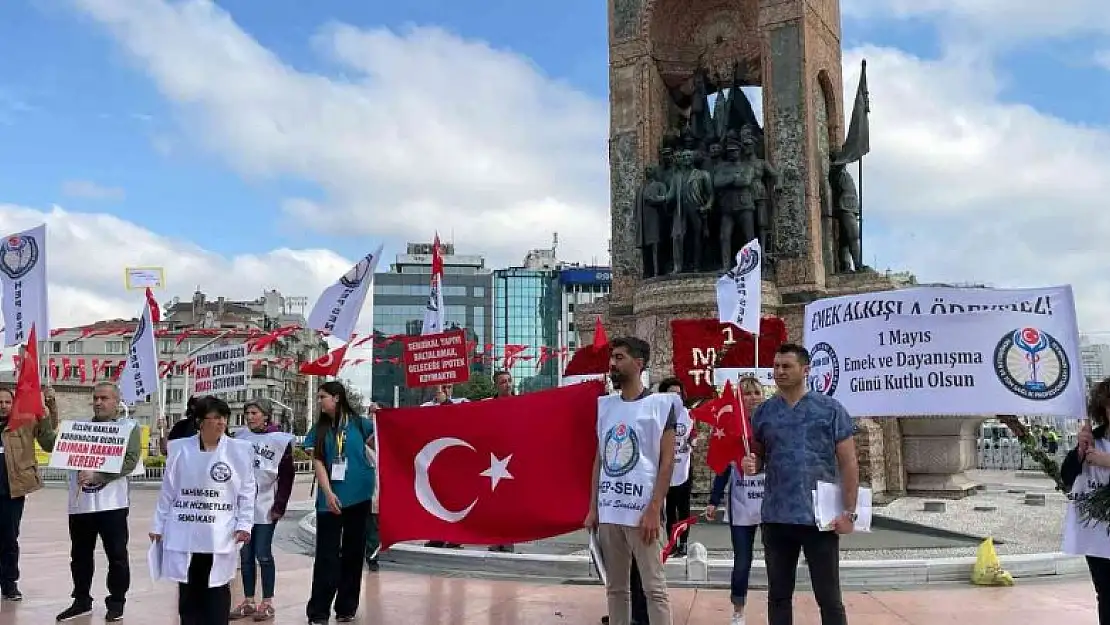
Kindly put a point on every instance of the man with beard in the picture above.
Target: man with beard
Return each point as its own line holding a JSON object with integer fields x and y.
{"x": 98, "y": 506}
{"x": 632, "y": 472}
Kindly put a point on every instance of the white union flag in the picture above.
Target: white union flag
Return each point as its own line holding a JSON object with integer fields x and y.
{"x": 337, "y": 310}
{"x": 23, "y": 272}
{"x": 139, "y": 378}
{"x": 739, "y": 292}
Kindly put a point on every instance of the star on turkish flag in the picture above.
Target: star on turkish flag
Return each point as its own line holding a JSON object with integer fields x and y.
{"x": 728, "y": 422}
{"x": 511, "y": 470}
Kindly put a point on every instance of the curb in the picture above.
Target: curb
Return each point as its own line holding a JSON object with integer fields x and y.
{"x": 854, "y": 574}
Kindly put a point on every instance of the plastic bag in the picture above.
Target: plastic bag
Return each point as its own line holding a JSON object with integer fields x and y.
{"x": 988, "y": 569}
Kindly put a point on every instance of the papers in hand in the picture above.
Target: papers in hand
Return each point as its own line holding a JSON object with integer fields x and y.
{"x": 595, "y": 555}
{"x": 154, "y": 559}
{"x": 828, "y": 504}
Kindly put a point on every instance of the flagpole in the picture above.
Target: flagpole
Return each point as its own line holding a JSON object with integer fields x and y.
{"x": 860, "y": 176}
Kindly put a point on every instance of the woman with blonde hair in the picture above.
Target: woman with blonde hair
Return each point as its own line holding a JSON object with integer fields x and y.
{"x": 745, "y": 496}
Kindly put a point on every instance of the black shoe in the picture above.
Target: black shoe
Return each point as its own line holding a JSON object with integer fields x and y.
{"x": 317, "y": 622}
{"x": 11, "y": 594}
{"x": 346, "y": 618}
{"x": 114, "y": 615}
{"x": 73, "y": 612}
{"x": 372, "y": 566}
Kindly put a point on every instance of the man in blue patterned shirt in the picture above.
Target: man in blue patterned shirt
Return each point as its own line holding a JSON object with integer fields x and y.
{"x": 802, "y": 437}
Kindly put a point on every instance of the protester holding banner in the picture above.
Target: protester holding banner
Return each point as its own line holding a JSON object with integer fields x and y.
{"x": 19, "y": 477}
{"x": 342, "y": 445}
{"x": 273, "y": 474}
{"x": 802, "y": 437}
{"x": 1086, "y": 469}
{"x": 98, "y": 508}
{"x": 205, "y": 513}
{"x": 632, "y": 472}
{"x": 745, "y": 497}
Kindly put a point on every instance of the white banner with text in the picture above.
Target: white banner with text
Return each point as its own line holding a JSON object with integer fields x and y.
{"x": 948, "y": 351}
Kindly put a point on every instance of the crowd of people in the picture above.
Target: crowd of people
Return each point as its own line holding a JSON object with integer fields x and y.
{"x": 222, "y": 494}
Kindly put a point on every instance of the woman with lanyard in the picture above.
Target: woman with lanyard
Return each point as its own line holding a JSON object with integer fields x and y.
{"x": 205, "y": 512}
{"x": 745, "y": 496}
{"x": 1085, "y": 469}
{"x": 342, "y": 444}
{"x": 274, "y": 473}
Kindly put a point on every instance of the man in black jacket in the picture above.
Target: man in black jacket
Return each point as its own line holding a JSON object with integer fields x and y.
{"x": 184, "y": 428}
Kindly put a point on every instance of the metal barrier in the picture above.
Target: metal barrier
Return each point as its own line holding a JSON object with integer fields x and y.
{"x": 1007, "y": 455}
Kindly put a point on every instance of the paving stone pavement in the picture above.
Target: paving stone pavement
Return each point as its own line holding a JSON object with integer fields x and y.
{"x": 392, "y": 597}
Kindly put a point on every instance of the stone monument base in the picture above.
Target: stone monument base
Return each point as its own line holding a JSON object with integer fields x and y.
{"x": 937, "y": 452}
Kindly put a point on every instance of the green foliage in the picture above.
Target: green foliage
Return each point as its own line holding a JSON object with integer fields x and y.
{"x": 154, "y": 462}
{"x": 300, "y": 455}
{"x": 478, "y": 387}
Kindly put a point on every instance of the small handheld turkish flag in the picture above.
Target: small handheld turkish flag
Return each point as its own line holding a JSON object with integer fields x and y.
{"x": 725, "y": 415}
{"x": 328, "y": 364}
{"x": 27, "y": 407}
{"x": 488, "y": 473}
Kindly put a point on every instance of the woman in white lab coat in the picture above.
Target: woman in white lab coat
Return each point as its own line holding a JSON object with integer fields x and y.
{"x": 205, "y": 512}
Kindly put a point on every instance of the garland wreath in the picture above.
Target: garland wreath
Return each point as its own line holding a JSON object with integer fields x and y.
{"x": 1093, "y": 507}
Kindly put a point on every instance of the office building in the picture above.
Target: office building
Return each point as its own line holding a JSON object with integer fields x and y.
{"x": 78, "y": 358}
{"x": 400, "y": 298}
{"x": 1095, "y": 359}
{"x": 579, "y": 286}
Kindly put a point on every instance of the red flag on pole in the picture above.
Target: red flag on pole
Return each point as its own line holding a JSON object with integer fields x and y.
{"x": 155, "y": 309}
{"x": 27, "y": 406}
{"x": 478, "y": 473}
{"x": 328, "y": 364}
{"x": 726, "y": 440}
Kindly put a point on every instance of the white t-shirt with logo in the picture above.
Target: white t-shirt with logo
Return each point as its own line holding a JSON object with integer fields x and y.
{"x": 682, "y": 447}
{"x": 628, "y": 434}
{"x": 745, "y": 497}
{"x": 1080, "y": 539}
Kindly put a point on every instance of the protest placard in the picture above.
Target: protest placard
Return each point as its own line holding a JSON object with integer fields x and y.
{"x": 948, "y": 351}
{"x": 91, "y": 445}
{"x": 436, "y": 359}
{"x": 221, "y": 369}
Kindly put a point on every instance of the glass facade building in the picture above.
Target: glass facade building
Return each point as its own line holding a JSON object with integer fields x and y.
{"x": 400, "y": 298}
{"x": 526, "y": 311}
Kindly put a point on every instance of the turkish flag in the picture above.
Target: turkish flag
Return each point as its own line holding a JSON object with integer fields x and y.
{"x": 725, "y": 416}
{"x": 155, "y": 309}
{"x": 328, "y": 364}
{"x": 509, "y": 470}
{"x": 27, "y": 406}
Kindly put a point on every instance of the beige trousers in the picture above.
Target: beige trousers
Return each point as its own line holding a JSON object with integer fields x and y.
{"x": 619, "y": 545}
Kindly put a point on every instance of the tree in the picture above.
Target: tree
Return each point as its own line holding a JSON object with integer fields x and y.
{"x": 476, "y": 388}
{"x": 353, "y": 395}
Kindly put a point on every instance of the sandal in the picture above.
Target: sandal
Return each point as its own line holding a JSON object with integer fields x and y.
{"x": 265, "y": 612}
{"x": 243, "y": 610}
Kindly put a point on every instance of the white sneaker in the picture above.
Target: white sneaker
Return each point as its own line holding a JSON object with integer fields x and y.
{"x": 737, "y": 619}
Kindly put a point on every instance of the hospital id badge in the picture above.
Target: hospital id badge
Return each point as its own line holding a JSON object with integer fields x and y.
{"x": 339, "y": 470}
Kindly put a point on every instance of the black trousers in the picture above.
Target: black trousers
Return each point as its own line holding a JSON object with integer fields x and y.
{"x": 337, "y": 570}
{"x": 782, "y": 544}
{"x": 111, "y": 527}
{"x": 678, "y": 509}
{"x": 197, "y": 604}
{"x": 639, "y": 599}
{"x": 1100, "y": 575}
{"x": 11, "y": 515}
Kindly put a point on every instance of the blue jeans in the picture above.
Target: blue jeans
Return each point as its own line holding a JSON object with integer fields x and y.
{"x": 259, "y": 549}
{"x": 743, "y": 544}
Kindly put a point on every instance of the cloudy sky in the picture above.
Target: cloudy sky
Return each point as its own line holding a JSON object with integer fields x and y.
{"x": 247, "y": 145}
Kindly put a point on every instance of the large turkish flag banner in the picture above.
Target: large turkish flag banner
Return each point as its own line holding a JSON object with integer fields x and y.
{"x": 488, "y": 472}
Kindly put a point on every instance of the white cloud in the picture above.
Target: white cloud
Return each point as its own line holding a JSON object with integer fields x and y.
{"x": 433, "y": 131}
{"x": 429, "y": 130}
{"x": 967, "y": 188}
{"x": 89, "y": 190}
{"x": 994, "y": 21}
{"x": 87, "y": 253}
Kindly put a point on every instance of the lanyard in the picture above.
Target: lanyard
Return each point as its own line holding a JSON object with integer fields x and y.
{"x": 340, "y": 437}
